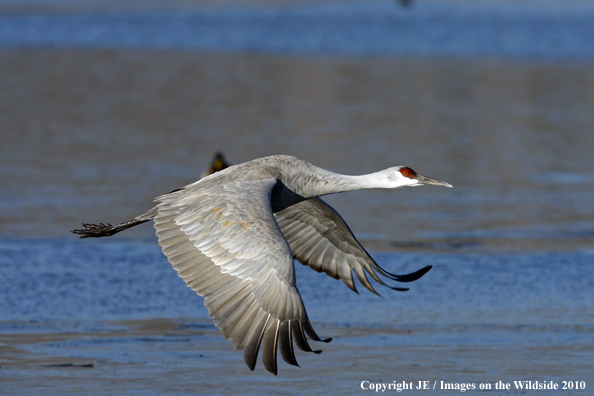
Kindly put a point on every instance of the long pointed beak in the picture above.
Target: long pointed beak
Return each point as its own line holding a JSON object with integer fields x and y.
{"x": 427, "y": 180}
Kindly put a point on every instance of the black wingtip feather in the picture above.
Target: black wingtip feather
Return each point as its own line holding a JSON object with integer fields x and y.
{"x": 312, "y": 334}
{"x": 269, "y": 346}
{"x": 407, "y": 277}
{"x": 286, "y": 343}
{"x": 250, "y": 351}
{"x": 400, "y": 289}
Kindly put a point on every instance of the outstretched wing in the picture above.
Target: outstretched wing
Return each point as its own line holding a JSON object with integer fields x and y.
{"x": 320, "y": 238}
{"x": 224, "y": 242}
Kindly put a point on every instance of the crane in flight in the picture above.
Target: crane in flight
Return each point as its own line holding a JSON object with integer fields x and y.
{"x": 232, "y": 237}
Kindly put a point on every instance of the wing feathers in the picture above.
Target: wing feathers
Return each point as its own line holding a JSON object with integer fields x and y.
{"x": 312, "y": 334}
{"x": 185, "y": 257}
{"x": 167, "y": 242}
{"x": 269, "y": 345}
{"x": 346, "y": 273}
{"x": 363, "y": 279}
{"x": 300, "y": 340}
{"x": 225, "y": 302}
{"x": 251, "y": 348}
{"x": 239, "y": 329}
{"x": 180, "y": 247}
{"x": 286, "y": 343}
{"x": 320, "y": 239}
{"x": 237, "y": 259}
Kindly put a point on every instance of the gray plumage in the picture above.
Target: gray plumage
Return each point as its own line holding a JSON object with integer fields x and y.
{"x": 232, "y": 237}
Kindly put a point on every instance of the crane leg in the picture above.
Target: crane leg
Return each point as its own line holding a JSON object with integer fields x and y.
{"x": 104, "y": 230}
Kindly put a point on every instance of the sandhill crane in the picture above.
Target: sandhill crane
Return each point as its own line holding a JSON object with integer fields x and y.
{"x": 232, "y": 237}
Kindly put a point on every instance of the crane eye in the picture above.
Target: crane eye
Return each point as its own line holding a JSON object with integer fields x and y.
{"x": 407, "y": 172}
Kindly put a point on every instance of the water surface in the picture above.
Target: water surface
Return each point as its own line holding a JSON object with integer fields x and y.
{"x": 104, "y": 107}
{"x": 115, "y": 315}
{"x": 522, "y": 29}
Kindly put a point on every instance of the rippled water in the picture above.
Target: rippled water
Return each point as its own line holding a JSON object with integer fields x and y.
{"x": 102, "y": 111}
{"x": 119, "y": 280}
{"x": 117, "y": 308}
{"x": 519, "y": 29}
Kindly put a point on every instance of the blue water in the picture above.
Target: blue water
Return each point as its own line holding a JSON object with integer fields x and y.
{"x": 501, "y": 29}
{"x": 102, "y": 280}
{"x": 474, "y": 318}
{"x": 482, "y": 313}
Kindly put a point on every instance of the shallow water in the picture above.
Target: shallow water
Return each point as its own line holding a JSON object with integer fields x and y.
{"x": 557, "y": 30}
{"x": 102, "y": 111}
{"x": 114, "y": 314}
{"x": 95, "y": 135}
{"x": 131, "y": 279}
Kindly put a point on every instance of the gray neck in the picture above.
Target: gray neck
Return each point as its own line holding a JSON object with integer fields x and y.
{"x": 322, "y": 182}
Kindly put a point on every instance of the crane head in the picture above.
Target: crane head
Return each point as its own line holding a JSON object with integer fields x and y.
{"x": 407, "y": 177}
